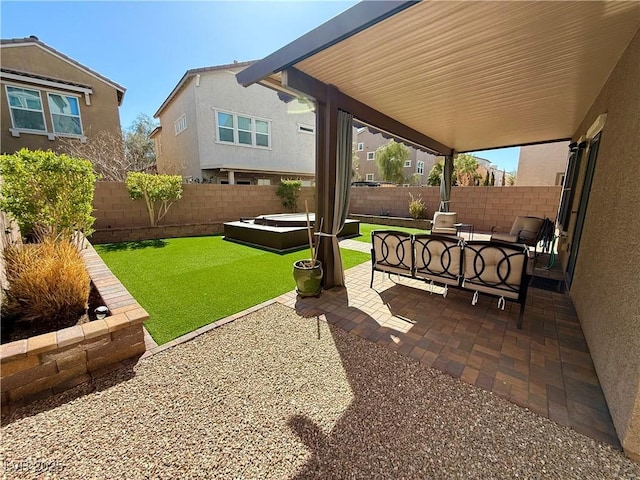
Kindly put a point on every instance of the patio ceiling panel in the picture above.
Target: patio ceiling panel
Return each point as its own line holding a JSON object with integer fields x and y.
{"x": 478, "y": 75}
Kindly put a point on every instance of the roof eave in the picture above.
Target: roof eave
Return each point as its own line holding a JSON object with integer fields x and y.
{"x": 354, "y": 20}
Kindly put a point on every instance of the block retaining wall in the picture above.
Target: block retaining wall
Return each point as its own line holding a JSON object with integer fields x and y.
{"x": 47, "y": 364}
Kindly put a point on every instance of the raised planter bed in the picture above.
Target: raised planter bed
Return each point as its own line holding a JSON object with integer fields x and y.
{"x": 41, "y": 366}
{"x": 393, "y": 221}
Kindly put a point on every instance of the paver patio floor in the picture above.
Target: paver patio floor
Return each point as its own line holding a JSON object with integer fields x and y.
{"x": 545, "y": 367}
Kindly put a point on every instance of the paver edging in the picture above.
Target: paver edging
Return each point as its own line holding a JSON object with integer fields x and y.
{"x": 42, "y": 365}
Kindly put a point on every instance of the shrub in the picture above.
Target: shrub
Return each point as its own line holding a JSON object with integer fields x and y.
{"x": 158, "y": 191}
{"x": 417, "y": 208}
{"x": 48, "y": 285}
{"x": 289, "y": 191}
{"x": 48, "y": 194}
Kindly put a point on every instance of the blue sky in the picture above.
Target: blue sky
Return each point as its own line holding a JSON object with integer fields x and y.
{"x": 147, "y": 46}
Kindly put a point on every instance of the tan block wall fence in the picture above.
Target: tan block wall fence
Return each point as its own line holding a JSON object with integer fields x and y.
{"x": 484, "y": 207}
{"x": 202, "y": 210}
{"x": 205, "y": 207}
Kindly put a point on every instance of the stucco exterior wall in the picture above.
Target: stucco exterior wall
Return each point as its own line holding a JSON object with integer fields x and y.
{"x": 102, "y": 114}
{"x": 290, "y": 151}
{"x": 180, "y": 154}
{"x": 607, "y": 275}
{"x": 543, "y": 164}
{"x": 196, "y": 151}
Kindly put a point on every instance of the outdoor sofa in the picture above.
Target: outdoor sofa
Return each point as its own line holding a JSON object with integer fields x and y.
{"x": 489, "y": 267}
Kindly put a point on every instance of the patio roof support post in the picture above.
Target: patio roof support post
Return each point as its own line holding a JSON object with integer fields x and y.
{"x": 326, "y": 153}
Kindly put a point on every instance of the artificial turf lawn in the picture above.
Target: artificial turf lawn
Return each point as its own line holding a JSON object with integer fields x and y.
{"x": 367, "y": 228}
{"x": 185, "y": 283}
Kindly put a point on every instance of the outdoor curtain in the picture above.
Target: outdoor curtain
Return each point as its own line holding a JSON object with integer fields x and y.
{"x": 343, "y": 188}
{"x": 445, "y": 184}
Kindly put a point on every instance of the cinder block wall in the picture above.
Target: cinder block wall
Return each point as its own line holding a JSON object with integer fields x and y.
{"x": 484, "y": 207}
{"x": 204, "y": 207}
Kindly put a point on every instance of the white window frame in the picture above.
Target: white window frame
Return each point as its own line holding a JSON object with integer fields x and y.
{"x": 236, "y": 129}
{"x": 371, "y": 156}
{"x": 407, "y": 163}
{"x": 308, "y": 129}
{"x": 360, "y": 146}
{"x": 420, "y": 168}
{"x": 369, "y": 177}
{"x": 13, "y": 123}
{"x": 53, "y": 125}
{"x": 180, "y": 125}
{"x": 264, "y": 181}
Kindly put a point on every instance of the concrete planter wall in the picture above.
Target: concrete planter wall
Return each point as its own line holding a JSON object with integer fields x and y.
{"x": 41, "y": 366}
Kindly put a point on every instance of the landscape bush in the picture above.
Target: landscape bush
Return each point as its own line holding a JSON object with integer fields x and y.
{"x": 417, "y": 208}
{"x": 158, "y": 191}
{"x": 48, "y": 285}
{"x": 49, "y": 195}
{"x": 289, "y": 191}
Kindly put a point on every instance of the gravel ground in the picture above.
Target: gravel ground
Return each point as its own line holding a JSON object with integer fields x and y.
{"x": 274, "y": 395}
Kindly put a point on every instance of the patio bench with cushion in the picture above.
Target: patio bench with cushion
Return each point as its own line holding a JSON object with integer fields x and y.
{"x": 489, "y": 267}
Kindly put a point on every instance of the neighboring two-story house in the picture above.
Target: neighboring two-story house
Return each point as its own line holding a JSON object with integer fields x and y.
{"x": 212, "y": 129}
{"x": 366, "y": 143}
{"x": 47, "y": 96}
{"x": 542, "y": 164}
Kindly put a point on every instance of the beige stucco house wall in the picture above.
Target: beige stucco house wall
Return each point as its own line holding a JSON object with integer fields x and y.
{"x": 32, "y": 65}
{"x": 196, "y": 150}
{"x": 542, "y": 165}
{"x": 606, "y": 282}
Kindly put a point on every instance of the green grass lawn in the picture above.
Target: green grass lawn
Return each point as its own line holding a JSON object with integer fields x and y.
{"x": 367, "y": 228}
{"x": 185, "y": 283}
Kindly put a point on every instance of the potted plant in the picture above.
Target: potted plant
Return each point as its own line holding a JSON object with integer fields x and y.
{"x": 308, "y": 272}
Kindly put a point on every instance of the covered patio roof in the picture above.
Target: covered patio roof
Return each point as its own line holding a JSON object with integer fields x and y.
{"x": 466, "y": 75}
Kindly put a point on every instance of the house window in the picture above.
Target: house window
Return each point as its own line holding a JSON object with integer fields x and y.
{"x": 307, "y": 183}
{"x": 407, "y": 163}
{"x": 243, "y": 130}
{"x": 264, "y": 181}
{"x": 306, "y": 128}
{"x": 26, "y": 109}
{"x": 369, "y": 177}
{"x": 420, "y": 169}
{"x": 65, "y": 114}
{"x": 360, "y": 147}
{"x": 371, "y": 155}
{"x": 180, "y": 125}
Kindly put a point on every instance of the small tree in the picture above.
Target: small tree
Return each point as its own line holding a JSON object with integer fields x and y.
{"x": 417, "y": 208}
{"x": 139, "y": 148}
{"x": 50, "y": 195}
{"x": 492, "y": 182}
{"x": 105, "y": 150}
{"x": 466, "y": 169}
{"x": 158, "y": 191}
{"x": 510, "y": 179}
{"x": 289, "y": 191}
{"x": 355, "y": 167}
{"x": 390, "y": 159}
{"x": 435, "y": 175}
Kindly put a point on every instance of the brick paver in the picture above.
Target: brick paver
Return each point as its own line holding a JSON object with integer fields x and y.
{"x": 545, "y": 367}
